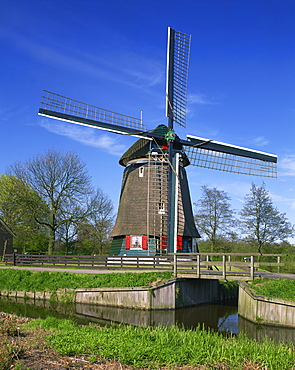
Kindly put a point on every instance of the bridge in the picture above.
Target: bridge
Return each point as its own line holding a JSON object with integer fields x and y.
{"x": 226, "y": 266}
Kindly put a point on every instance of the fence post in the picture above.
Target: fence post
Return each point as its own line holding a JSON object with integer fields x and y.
{"x": 223, "y": 266}
{"x": 279, "y": 261}
{"x": 198, "y": 266}
{"x": 229, "y": 261}
{"x": 207, "y": 260}
{"x": 175, "y": 265}
{"x": 252, "y": 268}
{"x": 14, "y": 259}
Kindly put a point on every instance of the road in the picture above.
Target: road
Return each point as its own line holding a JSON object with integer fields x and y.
{"x": 270, "y": 275}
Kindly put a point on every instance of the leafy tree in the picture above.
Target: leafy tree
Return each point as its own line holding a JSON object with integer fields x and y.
{"x": 261, "y": 222}
{"x": 62, "y": 181}
{"x": 15, "y": 195}
{"x": 214, "y": 216}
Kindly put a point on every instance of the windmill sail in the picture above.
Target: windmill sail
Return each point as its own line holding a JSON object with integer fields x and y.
{"x": 66, "y": 109}
{"x": 178, "y": 53}
{"x": 230, "y": 158}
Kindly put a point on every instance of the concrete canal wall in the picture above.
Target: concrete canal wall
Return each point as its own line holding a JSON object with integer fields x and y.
{"x": 265, "y": 310}
{"x": 171, "y": 294}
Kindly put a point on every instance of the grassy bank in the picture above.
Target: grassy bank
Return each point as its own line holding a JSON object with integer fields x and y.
{"x": 157, "y": 347}
{"x": 274, "y": 288}
{"x": 140, "y": 347}
{"x": 39, "y": 281}
{"x": 51, "y": 342}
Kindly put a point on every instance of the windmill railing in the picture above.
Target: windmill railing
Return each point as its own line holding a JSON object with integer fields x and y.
{"x": 233, "y": 266}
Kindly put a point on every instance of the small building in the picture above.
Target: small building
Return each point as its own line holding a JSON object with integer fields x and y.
{"x": 6, "y": 239}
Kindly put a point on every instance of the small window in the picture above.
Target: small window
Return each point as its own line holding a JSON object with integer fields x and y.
{"x": 161, "y": 208}
{"x": 136, "y": 242}
{"x": 141, "y": 171}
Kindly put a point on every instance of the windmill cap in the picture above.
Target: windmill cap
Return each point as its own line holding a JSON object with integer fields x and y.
{"x": 142, "y": 147}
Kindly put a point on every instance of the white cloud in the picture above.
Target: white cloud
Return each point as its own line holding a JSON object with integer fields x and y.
{"x": 123, "y": 66}
{"x": 199, "y": 98}
{"x": 85, "y": 135}
{"x": 287, "y": 166}
{"x": 260, "y": 141}
{"x": 283, "y": 200}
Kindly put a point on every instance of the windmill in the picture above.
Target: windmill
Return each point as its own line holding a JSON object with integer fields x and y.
{"x": 155, "y": 213}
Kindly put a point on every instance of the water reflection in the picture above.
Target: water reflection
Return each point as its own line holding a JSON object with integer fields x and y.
{"x": 259, "y": 332}
{"x": 222, "y": 318}
{"x": 215, "y": 316}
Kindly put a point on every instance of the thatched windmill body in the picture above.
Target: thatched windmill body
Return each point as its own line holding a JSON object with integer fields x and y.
{"x": 155, "y": 213}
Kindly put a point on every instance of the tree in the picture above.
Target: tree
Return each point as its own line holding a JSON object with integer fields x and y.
{"x": 214, "y": 216}
{"x": 261, "y": 222}
{"x": 62, "y": 181}
{"x": 15, "y": 195}
{"x": 89, "y": 231}
{"x": 93, "y": 234}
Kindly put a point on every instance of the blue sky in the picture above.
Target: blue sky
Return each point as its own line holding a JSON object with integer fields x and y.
{"x": 112, "y": 54}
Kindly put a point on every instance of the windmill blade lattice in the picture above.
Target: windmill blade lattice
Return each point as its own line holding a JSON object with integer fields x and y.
{"x": 66, "y": 109}
{"x": 230, "y": 158}
{"x": 178, "y": 53}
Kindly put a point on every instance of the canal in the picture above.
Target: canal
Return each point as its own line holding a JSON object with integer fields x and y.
{"x": 221, "y": 318}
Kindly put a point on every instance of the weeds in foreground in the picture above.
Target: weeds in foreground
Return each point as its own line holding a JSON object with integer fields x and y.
{"x": 9, "y": 330}
{"x": 162, "y": 346}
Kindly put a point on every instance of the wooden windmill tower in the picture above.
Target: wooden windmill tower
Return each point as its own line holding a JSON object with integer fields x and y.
{"x": 155, "y": 213}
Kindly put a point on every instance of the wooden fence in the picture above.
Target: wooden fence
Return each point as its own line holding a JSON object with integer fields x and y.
{"x": 234, "y": 266}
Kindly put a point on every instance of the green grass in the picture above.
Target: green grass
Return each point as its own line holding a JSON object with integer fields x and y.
{"x": 274, "y": 288}
{"x": 161, "y": 346}
{"x": 34, "y": 281}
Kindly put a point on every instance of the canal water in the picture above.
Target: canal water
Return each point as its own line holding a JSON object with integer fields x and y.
{"x": 221, "y": 318}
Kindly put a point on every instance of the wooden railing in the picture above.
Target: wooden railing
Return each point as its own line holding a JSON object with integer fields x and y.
{"x": 234, "y": 266}
{"x": 95, "y": 262}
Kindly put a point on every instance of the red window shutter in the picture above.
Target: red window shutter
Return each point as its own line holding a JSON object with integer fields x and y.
{"x": 127, "y": 241}
{"x": 179, "y": 242}
{"x": 163, "y": 242}
{"x": 144, "y": 242}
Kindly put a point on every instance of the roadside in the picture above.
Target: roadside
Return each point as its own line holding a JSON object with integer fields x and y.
{"x": 77, "y": 271}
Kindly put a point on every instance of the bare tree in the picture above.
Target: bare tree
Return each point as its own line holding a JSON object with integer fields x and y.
{"x": 88, "y": 226}
{"x": 62, "y": 181}
{"x": 214, "y": 216}
{"x": 261, "y": 222}
{"x": 93, "y": 233}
